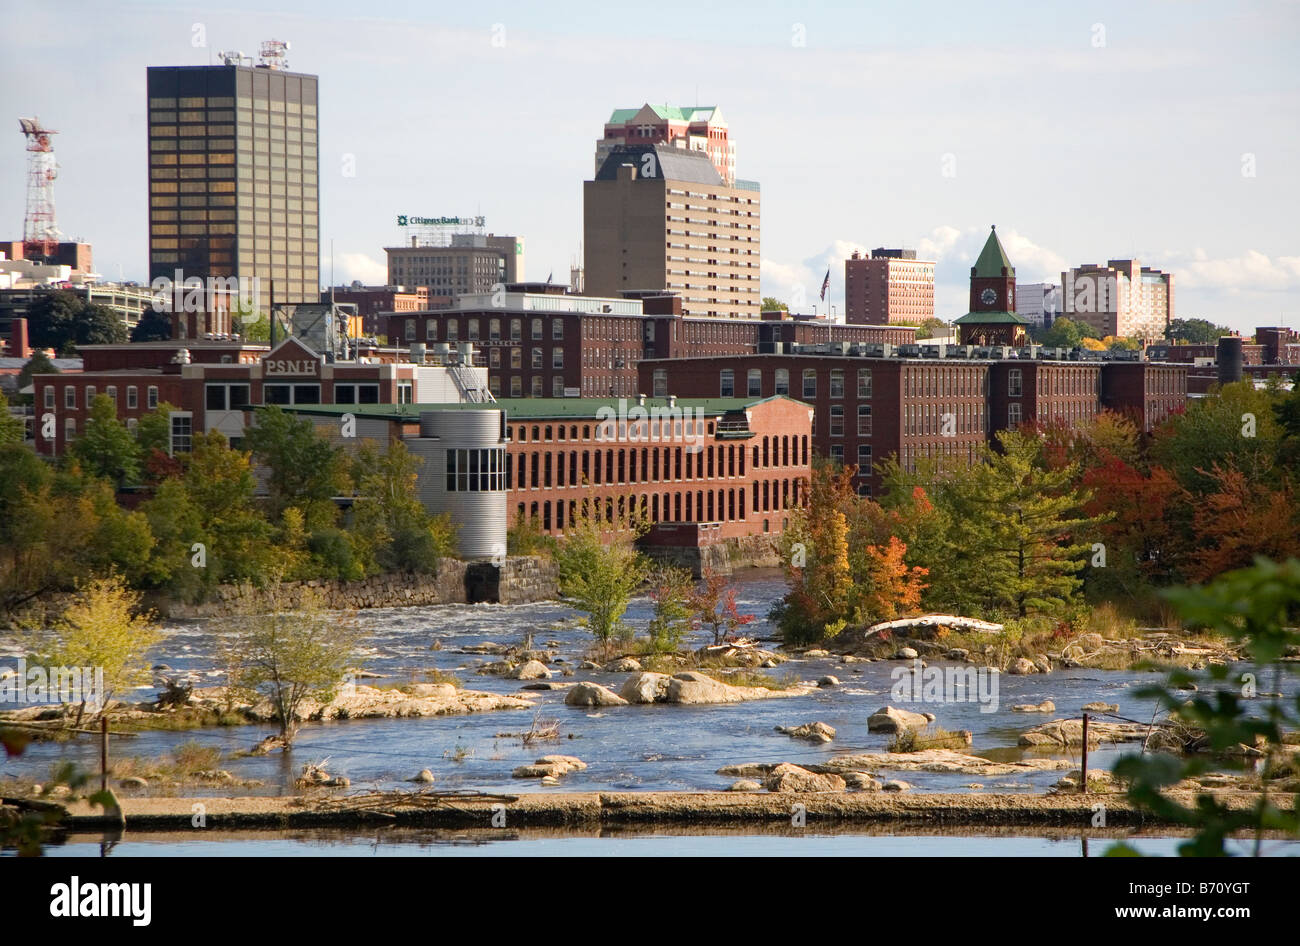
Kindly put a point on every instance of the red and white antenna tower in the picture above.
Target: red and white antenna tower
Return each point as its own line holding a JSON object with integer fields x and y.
{"x": 40, "y": 232}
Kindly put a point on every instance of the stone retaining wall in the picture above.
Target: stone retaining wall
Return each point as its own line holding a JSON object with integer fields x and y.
{"x": 726, "y": 557}
{"x": 515, "y": 581}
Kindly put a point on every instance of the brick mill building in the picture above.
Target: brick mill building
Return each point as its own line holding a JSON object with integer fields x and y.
{"x": 705, "y": 471}
{"x": 552, "y": 344}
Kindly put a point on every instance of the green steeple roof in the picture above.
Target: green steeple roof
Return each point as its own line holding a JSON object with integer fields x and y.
{"x": 990, "y": 318}
{"x": 993, "y": 258}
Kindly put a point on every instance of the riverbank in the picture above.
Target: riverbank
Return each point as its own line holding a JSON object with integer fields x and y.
{"x": 622, "y": 809}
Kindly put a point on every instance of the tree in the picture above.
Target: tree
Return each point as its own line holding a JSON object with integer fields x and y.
{"x": 815, "y": 551}
{"x": 304, "y": 469}
{"x": 11, "y": 427}
{"x": 1017, "y": 521}
{"x": 62, "y": 320}
{"x": 291, "y": 655}
{"x": 154, "y": 430}
{"x": 773, "y": 304}
{"x": 1258, "y": 607}
{"x": 933, "y": 328}
{"x": 670, "y": 590}
{"x": 1236, "y": 427}
{"x": 714, "y": 605}
{"x": 39, "y": 363}
{"x": 527, "y": 537}
{"x": 154, "y": 326}
{"x": 393, "y": 525}
{"x": 1195, "y": 331}
{"x": 1066, "y": 333}
{"x": 106, "y": 448}
{"x": 891, "y": 587}
{"x": 103, "y": 628}
{"x": 1241, "y": 520}
{"x": 600, "y": 568}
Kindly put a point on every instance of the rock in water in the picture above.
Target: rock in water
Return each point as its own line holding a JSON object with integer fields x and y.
{"x": 623, "y": 665}
{"x": 745, "y": 785}
{"x": 789, "y": 778}
{"x": 813, "y": 732}
{"x": 1047, "y": 706}
{"x": 532, "y": 670}
{"x": 592, "y": 694}
{"x": 424, "y": 775}
{"x": 862, "y": 782}
{"x": 1101, "y": 707}
{"x": 645, "y": 687}
{"x": 888, "y": 719}
{"x": 1022, "y": 666}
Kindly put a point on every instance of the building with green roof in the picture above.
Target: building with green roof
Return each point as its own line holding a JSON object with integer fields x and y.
{"x": 992, "y": 319}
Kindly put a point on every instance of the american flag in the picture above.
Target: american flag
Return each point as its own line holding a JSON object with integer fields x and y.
{"x": 826, "y": 283}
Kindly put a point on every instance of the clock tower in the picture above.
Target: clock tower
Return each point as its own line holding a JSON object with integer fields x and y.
{"x": 992, "y": 318}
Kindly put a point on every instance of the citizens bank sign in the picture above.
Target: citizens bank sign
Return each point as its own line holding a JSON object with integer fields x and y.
{"x": 407, "y": 221}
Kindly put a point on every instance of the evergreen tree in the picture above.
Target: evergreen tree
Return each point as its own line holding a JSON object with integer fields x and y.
{"x": 106, "y": 448}
{"x": 1017, "y": 522}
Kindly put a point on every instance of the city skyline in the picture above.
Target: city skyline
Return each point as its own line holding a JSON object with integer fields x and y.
{"x": 978, "y": 130}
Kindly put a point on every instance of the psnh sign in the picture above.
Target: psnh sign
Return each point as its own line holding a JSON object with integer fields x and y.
{"x": 406, "y": 221}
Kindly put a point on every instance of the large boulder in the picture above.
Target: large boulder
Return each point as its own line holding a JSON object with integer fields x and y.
{"x": 789, "y": 778}
{"x": 1022, "y": 666}
{"x": 645, "y": 687}
{"x": 889, "y": 719}
{"x": 532, "y": 670}
{"x": 592, "y": 694}
{"x": 623, "y": 665}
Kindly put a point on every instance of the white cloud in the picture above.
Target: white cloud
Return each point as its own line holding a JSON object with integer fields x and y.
{"x": 1252, "y": 270}
{"x": 352, "y": 266}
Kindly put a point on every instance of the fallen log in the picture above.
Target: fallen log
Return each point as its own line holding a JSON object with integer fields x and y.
{"x": 932, "y": 621}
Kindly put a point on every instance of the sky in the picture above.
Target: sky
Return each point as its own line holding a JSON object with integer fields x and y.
{"x": 1086, "y": 131}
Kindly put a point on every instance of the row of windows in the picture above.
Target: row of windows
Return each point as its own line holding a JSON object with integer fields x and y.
{"x": 476, "y": 471}
{"x": 473, "y": 327}
{"x": 70, "y": 396}
{"x": 723, "y": 505}
{"x": 544, "y": 470}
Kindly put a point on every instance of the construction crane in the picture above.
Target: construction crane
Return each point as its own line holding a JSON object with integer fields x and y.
{"x": 40, "y": 232}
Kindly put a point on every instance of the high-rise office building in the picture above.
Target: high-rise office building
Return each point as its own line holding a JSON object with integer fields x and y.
{"x": 694, "y": 127}
{"x": 888, "y": 287}
{"x": 470, "y": 263}
{"x": 660, "y": 218}
{"x": 1122, "y": 298}
{"x": 234, "y": 177}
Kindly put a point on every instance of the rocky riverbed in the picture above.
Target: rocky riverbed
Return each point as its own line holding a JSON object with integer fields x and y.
{"x": 633, "y": 728}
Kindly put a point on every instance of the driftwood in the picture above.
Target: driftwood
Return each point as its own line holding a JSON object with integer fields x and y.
{"x": 932, "y": 621}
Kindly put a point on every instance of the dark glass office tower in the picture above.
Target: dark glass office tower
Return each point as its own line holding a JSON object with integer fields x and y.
{"x": 234, "y": 177}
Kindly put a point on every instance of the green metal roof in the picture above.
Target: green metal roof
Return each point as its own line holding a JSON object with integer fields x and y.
{"x": 990, "y": 318}
{"x": 528, "y": 408}
{"x": 993, "y": 258}
{"x": 667, "y": 112}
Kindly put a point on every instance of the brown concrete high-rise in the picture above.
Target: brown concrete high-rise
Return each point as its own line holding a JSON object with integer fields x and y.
{"x": 659, "y": 218}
